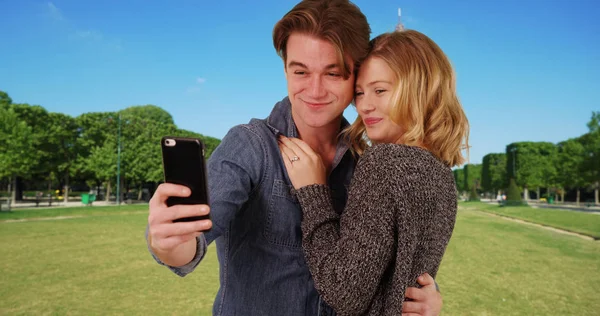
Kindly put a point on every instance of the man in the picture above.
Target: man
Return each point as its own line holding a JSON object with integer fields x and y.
{"x": 255, "y": 219}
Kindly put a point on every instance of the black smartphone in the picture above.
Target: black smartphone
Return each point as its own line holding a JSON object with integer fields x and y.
{"x": 184, "y": 164}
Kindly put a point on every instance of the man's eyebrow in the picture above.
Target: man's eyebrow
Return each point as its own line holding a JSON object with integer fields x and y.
{"x": 299, "y": 64}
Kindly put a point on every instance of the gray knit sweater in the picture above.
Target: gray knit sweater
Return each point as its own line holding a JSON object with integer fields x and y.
{"x": 396, "y": 225}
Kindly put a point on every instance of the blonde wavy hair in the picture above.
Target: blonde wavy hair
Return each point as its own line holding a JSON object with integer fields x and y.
{"x": 425, "y": 103}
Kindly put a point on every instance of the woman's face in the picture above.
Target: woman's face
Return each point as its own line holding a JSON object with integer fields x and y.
{"x": 374, "y": 88}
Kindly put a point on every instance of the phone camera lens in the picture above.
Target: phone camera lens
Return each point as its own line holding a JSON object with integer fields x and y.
{"x": 170, "y": 142}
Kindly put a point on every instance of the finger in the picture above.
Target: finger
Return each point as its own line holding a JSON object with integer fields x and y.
{"x": 289, "y": 153}
{"x": 287, "y": 161}
{"x": 283, "y": 151}
{"x": 425, "y": 279}
{"x": 166, "y": 190}
{"x": 181, "y": 211}
{"x": 304, "y": 146}
{"x": 412, "y": 307}
{"x": 174, "y": 241}
{"x": 293, "y": 146}
{"x": 168, "y": 215}
{"x": 184, "y": 228}
{"x": 416, "y": 294}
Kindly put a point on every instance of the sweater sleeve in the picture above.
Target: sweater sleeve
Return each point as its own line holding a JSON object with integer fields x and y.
{"x": 349, "y": 256}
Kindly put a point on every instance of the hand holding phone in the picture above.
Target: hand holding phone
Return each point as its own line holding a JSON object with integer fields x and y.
{"x": 178, "y": 210}
{"x": 175, "y": 242}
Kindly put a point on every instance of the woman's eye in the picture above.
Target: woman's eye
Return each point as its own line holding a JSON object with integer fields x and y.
{"x": 358, "y": 93}
{"x": 379, "y": 91}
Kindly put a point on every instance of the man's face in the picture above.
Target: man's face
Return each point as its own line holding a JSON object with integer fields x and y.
{"x": 317, "y": 90}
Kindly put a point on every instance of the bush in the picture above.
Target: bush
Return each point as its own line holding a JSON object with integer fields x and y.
{"x": 473, "y": 196}
{"x": 513, "y": 196}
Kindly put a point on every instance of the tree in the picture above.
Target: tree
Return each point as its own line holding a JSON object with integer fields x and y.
{"x": 62, "y": 137}
{"x": 459, "y": 179}
{"x": 18, "y": 156}
{"x": 94, "y": 130}
{"x": 142, "y": 130}
{"x": 571, "y": 154}
{"x": 5, "y": 100}
{"x": 102, "y": 164}
{"x": 513, "y": 196}
{"x": 37, "y": 118}
{"x": 532, "y": 165}
{"x": 493, "y": 173}
{"x": 42, "y": 146}
{"x": 472, "y": 177}
{"x": 591, "y": 161}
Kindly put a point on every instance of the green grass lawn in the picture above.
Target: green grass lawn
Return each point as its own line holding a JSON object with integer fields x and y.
{"x": 578, "y": 222}
{"x": 80, "y": 211}
{"x": 98, "y": 264}
{"x": 95, "y": 265}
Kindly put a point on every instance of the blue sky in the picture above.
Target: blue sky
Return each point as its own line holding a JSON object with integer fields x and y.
{"x": 526, "y": 70}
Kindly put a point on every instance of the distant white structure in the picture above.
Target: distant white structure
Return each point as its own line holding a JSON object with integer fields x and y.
{"x": 399, "y": 26}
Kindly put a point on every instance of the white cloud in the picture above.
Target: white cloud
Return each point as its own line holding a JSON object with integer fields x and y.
{"x": 196, "y": 87}
{"x": 91, "y": 35}
{"x": 55, "y": 12}
{"x": 83, "y": 35}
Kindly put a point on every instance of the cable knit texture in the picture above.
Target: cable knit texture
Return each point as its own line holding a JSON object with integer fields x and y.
{"x": 396, "y": 225}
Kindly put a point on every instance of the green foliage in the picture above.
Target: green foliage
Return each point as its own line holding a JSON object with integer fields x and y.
{"x": 534, "y": 163}
{"x": 62, "y": 138}
{"x": 37, "y": 119}
{"x": 459, "y": 179}
{"x": 569, "y": 163}
{"x": 18, "y": 156}
{"x": 513, "y": 194}
{"x": 493, "y": 172}
{"x": 591, "y": 156}
{"x": 472, "y": 177}
{"x": 594, "y": 123}
{"x": 473, "y": 196}
{"x": 102, "y": 162}
{"x": 5, "y": 100}
{"x": 142, "y": 129}
{"x": 43, "y": 146}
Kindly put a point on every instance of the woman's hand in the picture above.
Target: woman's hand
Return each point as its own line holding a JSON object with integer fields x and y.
{"x": 303, "y": 165}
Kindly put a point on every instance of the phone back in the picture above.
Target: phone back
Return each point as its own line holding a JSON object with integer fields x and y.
{"x": 184, "y": 164}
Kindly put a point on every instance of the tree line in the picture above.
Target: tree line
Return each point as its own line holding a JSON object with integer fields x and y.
{"x": 47, "y": 150}
{"x": 572, "y": 165}
{"x": 44, "y": 150}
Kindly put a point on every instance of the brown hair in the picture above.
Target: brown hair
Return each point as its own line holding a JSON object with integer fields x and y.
{"x": 424, "y": 101}
{"x": 339, "y": 22}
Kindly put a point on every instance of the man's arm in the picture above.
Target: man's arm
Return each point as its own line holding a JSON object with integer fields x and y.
{"x": 235, "y": 169}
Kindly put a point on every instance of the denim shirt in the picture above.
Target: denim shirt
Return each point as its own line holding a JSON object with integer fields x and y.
{"x": 256, "y": 221}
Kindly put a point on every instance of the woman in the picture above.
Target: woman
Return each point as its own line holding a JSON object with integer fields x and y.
{"x": 402, "y": 199}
